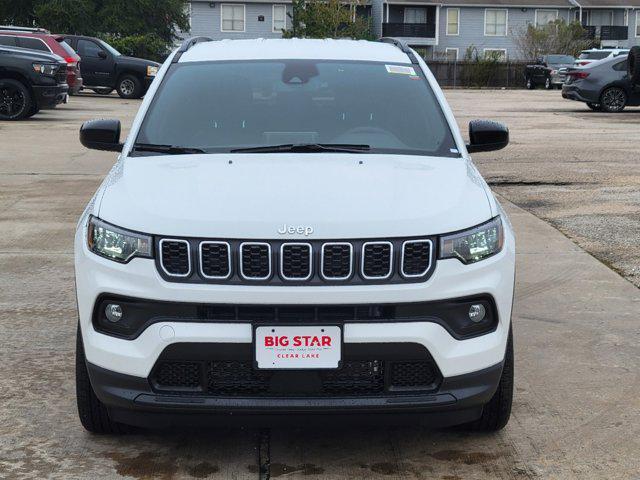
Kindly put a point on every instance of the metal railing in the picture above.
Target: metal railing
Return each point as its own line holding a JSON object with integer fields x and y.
{"x": 424, "y": 30}
{"x": 606, "y": 32}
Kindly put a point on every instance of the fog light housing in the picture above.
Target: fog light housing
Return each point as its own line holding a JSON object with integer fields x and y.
{"x": 113, "y": 312}
{"x": 477, "y": 312}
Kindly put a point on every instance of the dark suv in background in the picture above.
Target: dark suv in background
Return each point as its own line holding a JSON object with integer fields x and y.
{"x": 43, "y": 41}
{"x": 29, "y": 81}
{"x": 104, "y": 68}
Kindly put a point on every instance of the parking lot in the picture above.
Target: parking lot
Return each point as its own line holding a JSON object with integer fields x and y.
{"x": 569, "y": 181}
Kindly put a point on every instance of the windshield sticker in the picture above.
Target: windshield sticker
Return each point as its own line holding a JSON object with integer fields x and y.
{"x": 402, "y": 70}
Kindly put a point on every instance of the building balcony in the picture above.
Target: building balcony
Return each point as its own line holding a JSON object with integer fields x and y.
{"x": 607, "y": 32}
{"x": 416, "y": 30}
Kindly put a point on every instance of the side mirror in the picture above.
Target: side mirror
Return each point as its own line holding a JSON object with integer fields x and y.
{"x": 102, "y": 54}
{"x": 101, "y": 135}
{"x": 487, "y": 136}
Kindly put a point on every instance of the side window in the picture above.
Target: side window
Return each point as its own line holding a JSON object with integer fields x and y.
{"x": 87, "y": 48}
{"x": 8, "y": 41}
{"x": 621, "y": 66}
{"x": 33, "y": 44}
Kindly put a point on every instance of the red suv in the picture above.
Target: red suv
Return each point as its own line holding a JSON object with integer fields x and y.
{"x": 39, "y": 39}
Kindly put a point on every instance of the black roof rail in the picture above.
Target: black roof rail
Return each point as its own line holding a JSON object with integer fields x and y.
{"x": 187, "y": 44}
{"x": 402, "y": 46}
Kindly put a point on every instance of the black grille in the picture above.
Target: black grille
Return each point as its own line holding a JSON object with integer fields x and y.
{"x": 416, "y": 258}
{"x": 376, "y": 260}
{"x": 337, "y": 260}
{"x": 178, "y": 376}
{"x": 61, "y": 74}
{"x": 215, "y": 259}
{"x": 256, "y": 261}
{"x": 175, "y": 257}
{"x": 413, "y": 375}
{"x": 296, "y": 261}
{"x": 238, "y": 378}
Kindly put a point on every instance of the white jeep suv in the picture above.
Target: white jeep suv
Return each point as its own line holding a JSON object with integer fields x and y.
{"x": 294, "y": 227}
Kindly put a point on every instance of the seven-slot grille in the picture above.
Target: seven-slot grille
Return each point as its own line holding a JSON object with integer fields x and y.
{"x": 311, "y": 263}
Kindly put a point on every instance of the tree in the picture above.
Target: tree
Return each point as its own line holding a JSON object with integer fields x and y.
{"x": 328, "y": 19}
{"x": 556, "y": 37}
{"x": 139, "y": 27}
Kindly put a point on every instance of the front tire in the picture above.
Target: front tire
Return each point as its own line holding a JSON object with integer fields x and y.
{"x": 529, "y": 84}
{"x": 129, "y": 86}
{"x": 496, "y": 413}
{"x": 547, "y": 84}
{"x": 15, "y": 100}
{"x": 613, "y": 100}
{"x": 93, "y": 414}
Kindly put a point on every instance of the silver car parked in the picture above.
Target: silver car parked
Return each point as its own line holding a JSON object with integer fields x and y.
{"x": 602, "y": 85}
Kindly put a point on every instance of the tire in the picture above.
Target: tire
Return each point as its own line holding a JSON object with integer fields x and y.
{"x": 496, "y": 413}
{"x": 529, "y": 84}
{"x": 594, "y": 106}
{"x": 34, "y": 109}
{"x": 613, "y": 100}
{"x": 93, "y": 414}
{"x": 547, "y": 84}
{"x": 129, "y": 86}
{"x": 634, "y": 65}
{"x": 15, "y": 100}
{"x": 103, "y": 91}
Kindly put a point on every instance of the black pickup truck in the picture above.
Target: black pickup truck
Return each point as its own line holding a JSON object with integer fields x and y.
{"x": 104, "y": 68}
{"x": 548, "y": 71}
{"x": 30, "y": 80}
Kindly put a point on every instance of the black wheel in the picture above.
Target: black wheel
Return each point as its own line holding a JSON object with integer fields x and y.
{"x": 103, "y": 91}
{"x": 613, "y": 99}
{"x": 129, "y": 86}
{"x": 529, "y": 84}
{"x": 496, "y": 413}
{"x": 547, "y": 83}
{"x": 32, "y": 111}
{"x": 634, "y": 65}
{"x": 93, "y": 414}
{"x": 594, "y": 106}
{"x": 15, "y": 100}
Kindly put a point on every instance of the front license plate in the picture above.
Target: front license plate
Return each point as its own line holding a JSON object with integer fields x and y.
{"x": 295, "y": 348}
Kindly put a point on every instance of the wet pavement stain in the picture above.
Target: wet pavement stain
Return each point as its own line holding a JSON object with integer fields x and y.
{"x": 279, "y": 469}
{"x": 468, "y": 458}
{"x": 144, "y": 466}
{"x": 203, "y": 470}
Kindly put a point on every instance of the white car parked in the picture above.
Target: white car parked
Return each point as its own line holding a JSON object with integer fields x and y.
{"x": 596, "y": 54}
{"x": 294, "y": 227}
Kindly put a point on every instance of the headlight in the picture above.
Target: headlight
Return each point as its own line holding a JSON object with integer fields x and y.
{"x": 474, "y": 244}
{"x": 45, "y": 68}
{"x": 116, "y": 243}
{"x": 152, "y": 71}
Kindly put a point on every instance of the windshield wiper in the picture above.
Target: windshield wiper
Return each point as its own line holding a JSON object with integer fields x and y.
{"x": 168, "y": 149}
{"x": 306, "y": 148}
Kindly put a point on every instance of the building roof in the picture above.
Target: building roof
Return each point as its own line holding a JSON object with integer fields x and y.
{"x": 608, "y": 3}
{"x": 276, "y": 49}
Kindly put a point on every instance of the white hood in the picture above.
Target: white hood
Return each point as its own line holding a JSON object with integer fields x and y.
{"x": 251, "y": 196}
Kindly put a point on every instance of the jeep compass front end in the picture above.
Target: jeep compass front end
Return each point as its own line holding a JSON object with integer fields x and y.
{"x": 294, "y": 227}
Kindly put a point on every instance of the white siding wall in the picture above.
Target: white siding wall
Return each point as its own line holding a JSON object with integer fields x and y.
{"x": 205, "y": 21}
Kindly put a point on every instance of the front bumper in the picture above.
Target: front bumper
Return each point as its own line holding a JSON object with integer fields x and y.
{"x": 50, "y": 96}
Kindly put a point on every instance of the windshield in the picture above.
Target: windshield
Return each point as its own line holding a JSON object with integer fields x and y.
{"x": 225, "y": 106}
{"x": 560, "y": 59}
{"x": 594, "y": 55}
{"x": 110, "y": 48}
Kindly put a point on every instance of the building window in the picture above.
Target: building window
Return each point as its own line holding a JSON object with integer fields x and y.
{"x": 499, "y": 54}
{"x": 415, "y": 15}
{"x": 279, "y": 18}
{"x": 637, "y": 23}
{"x": 453, "y": 21}
{"x": 495, "y": 22}
{"x": 232, "y": 18}
{"x": 451, "y": 54}
{"x": 545, "y": 17}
